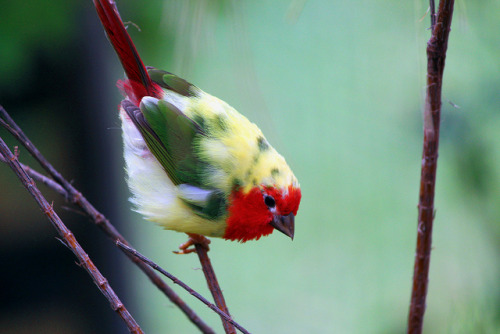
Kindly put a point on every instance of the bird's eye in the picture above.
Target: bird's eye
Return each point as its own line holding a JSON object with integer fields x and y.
{"x": 269, "y": 200}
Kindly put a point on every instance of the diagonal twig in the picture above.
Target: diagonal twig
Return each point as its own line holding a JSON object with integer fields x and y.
{"x": 40, "y": 177}
{"x": 436, "y": 55}
{"x": 224, "y": 315}
{"x": 74, "y": 196}
{"x": 8, "y": 123}
{"x": 69, "y": 239}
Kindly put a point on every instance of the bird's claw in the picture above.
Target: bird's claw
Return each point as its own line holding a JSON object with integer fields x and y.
{"x": 194, "y": 239}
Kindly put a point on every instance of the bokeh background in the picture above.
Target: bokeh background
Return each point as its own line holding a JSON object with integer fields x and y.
{"x": 338, "y": 88}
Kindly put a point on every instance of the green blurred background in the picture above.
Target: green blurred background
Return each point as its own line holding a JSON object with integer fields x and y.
{"x": 338, "y": 88}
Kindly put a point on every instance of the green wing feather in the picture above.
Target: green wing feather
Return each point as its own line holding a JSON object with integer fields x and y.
{"x": 170, "y": 136}
{"x": 172, "y": 82}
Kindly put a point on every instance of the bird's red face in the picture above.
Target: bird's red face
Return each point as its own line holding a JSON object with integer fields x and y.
{"x": 260, "y": 211}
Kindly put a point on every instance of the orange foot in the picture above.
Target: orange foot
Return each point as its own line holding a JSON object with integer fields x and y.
{"x": 194, "y": 239}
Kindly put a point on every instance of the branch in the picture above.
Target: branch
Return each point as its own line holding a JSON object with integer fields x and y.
{"x": 436, "y": 54}
{"x": 224, "y": 315}
{"x": 70, "y": 240}
{"x": 40, "y": 177}
{"x": 72, "y": 195}
{"x": 213, "y": 284}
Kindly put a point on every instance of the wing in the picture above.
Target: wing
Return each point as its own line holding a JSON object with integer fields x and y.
{"x": 170, "y": 136}
{"x": 172, "y": 82}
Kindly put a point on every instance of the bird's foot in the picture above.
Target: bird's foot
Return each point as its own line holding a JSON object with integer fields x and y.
{"x": 194, "y": 239}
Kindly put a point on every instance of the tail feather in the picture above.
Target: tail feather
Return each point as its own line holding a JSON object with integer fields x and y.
{"x": 139, "y": 84}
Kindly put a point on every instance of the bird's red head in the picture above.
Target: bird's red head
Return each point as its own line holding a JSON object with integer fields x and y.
{"x": 261, "y": 210}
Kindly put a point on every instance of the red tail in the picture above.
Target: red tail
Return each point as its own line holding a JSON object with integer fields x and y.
{"x": 139, "y": 83}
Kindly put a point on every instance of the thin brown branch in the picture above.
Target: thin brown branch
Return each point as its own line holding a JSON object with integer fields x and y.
{"x": 436, "y": 55}
{"x": 74, "y": 196}
{"x": 213, "y": 284}
{"x": 69, "y": 239}
{"x": 41, "y": 178}
{"x": 8, "y": 123}
{"x": 224, "y": 315}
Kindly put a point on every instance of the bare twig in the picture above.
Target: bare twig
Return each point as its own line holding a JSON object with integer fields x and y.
{"x": 40, "y": 177}
{"x": 213, "y": 285}
{"x": 224, "y": 315}
{"x": 436, "y": 54}
{"x": 8, "y": 123}
{"x": 74, "y": 196}
{"x": 70, "y": 240}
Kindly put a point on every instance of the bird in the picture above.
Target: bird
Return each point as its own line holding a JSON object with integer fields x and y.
{"x": 194, "y": 164}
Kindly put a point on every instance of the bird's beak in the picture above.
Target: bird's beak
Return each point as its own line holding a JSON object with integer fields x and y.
{"x": 284, "y": 224}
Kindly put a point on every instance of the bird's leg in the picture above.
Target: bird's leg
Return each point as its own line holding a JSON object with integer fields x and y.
{"x": 194, "y": 239}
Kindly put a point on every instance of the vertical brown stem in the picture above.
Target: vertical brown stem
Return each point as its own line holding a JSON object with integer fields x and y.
{"x": 436, "y": 55}
{"x": 213, "y": 285}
